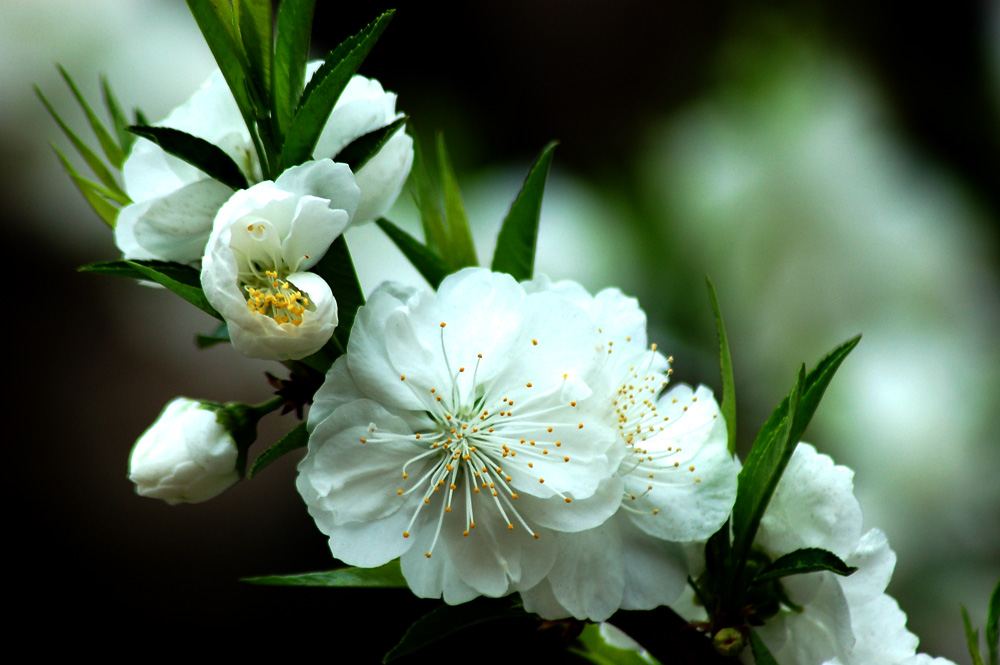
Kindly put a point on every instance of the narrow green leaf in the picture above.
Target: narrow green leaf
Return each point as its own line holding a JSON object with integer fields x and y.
{"x": 357, "y": 153}
{"x": 515, "y": 251}
{"x": 111, "y": 150}
{"x": 93, "y": 161}
{"x": 388, "y": 576}
{"x": 255, "y": 23}
{"x": 428, "y": 203}
{"x": 769, "y": 456}
{"x": 971, "y": 639}
{"x": 324, "y": 89}
{"x": 220, "y": 336}
{"x": 728, "y": 405}
{"x": 216, "y": 22}
{"x": 424, "y": 260}
{"x": 337, "y": 268}
{"x": 591, "y": 646}
{"x": 717, "y": 551}
{"x": 121, "y": 123}
{"x": 291, "y": 53}
{"x": 993, "y": 626}
{"x": 94, "y": 194}
{"x": 805, "y": 560}
{"x": 460, "y": 252}
{"x": 760, "y": 475}
{"x": 297, "y": 438}
{"x": 761, "y": 654}
{"x": 449, "y": 619}
{"x": 183, "y": 280}
{"x": 197, "y": 152}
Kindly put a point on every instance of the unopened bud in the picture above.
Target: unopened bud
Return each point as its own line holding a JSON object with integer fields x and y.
{"x": 728, "y": 642}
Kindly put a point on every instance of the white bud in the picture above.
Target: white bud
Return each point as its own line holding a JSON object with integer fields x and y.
{"x": 186, "y": 455}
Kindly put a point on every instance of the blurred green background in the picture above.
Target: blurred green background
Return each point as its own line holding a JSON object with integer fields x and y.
{"x": 835, "y": 167}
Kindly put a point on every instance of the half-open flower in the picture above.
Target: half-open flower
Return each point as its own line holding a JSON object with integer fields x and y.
{"x": 460, "y": 432}
{"x": 679, "y": 478}
{"x": 256, "y": 266}
{"x": 175, "y": 203}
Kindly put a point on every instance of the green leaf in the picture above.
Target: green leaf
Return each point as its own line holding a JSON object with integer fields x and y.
{"x": 183, "y": 280}
{"x": 515, "y": 251}
{"x": 111, "y": 150}
{"x": 805, "y": 560}
{"x": 196, "y": 151}
{"x": 297, "y": 438}
{"x": 592, "y": 646}
{"x": 255, "y": 34}
{"x": 357, "y": 153}
{"x": 125, "y": 137}
{"x": 220, "y": 336}
{"x": 449, "y": 619}
{"x": 388, "y": 576}
{"x": 95, "y": 194}
{"x": 291, "y": 53}
{"x": 760, "y": 475}
{"x": 424, "y": 260}
{"x": 460, "y": 252}
{"x": 93, "y": 161}
{"x": 761, "y": 654}
{"x": 324, "y": 89}
{"x": 972, "y": 639}
{"x": 774, "y": 445}
{"x": 993, "y": 626}
{"x": 728, "y": 405}
{"x": 337, "y": 269}
{"x": 428, "y": 204}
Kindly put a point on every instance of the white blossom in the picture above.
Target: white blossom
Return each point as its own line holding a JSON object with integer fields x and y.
{"x": 265, "y": 239}
{"x": 679, "y": 478}
{"x": 175, "y": 203}
{"x": 460, "y": 432}
{"x": 186, "y": 456}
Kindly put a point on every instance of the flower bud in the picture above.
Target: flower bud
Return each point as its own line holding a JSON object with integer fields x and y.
{"x": 188, "y": 455}
{"x": 729, "y": 642}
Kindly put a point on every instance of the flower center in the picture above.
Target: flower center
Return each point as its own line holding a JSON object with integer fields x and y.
{"x": 277, "y": 298}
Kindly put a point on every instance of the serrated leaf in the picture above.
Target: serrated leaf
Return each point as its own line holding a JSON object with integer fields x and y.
{"x": 774, "y": 445}
{"x": 111, "y": 150}
{"x": 518, "y": 237}
{"x": 805, "y": 560}
{"x": 183, "y": 280}
{"x": 424, "y": 260}
{"x": 324, "y": 89}
{"x": 95, "y": 194}
{"x": 197, "y": 152}
{"x": 449, "y": 619}
{"x": 357, "y": 153}
{"x": 428, "y": 204}
{"x": 93, "y": 161}
{"x": 591, "y": 646}
{"x": 460, "y": 251}
{"x": 728, "y": 405}
{"x": 291, "y": 54}
{"x": 121, "y": 123}
{"x": 971, "y": 639}
{"x": 761, "y": 654}
{"x": 297, "y": 438}
{"x": 993, "y": 626}
{"x": 255, "y": 23}
{"x": 220, "y": 336}
{"x": 760, "y": 475}
{"x": 388, "y": 576}
{"x": 215, "y": 20}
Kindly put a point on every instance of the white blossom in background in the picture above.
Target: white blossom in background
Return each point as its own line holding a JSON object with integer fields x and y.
{"x": 174, "y": 203}
{"x": 845, "y": 620}
{"x": 678, "y": 476}
{"x": 461, "y": 431}
{"x": 265, "y": 239}
{"x": 186, "y": 455}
